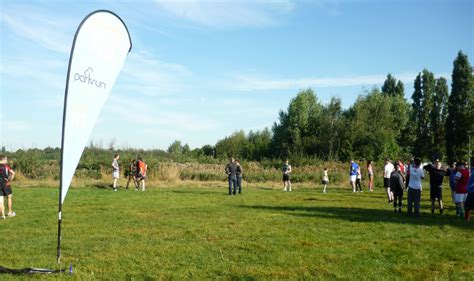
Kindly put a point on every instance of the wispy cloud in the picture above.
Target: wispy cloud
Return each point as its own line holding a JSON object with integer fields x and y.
{"x": 16, "y": 126}
{"x": 229, "y": 14}
{"x": 254, "y": 83}
{"x": 146, "y": 75}
{"x": 39, "y": 28}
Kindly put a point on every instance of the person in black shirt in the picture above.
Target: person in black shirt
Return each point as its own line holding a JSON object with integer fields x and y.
{"x": 396, "y": 186}
{"x": 231, "y": 171}
{"x": 239, "y": 173}
{"x": 437, "y": 175}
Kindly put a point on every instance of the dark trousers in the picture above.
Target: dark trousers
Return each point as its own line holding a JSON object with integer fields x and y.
{"x": 239, "y": 183}
{"x": 414, "y": 197}
{"x": 358, "y": 186}
{"x": 232, "y": 182}
{"x": 397, "y": 198}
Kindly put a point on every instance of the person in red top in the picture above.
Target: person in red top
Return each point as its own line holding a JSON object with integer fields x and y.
{"x": 6, "y": 176}
{"x": 461, "y": 179}
{"x": 141, "y": 173}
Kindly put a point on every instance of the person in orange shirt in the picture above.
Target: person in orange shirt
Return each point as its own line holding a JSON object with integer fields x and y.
{"x": 141, "y": 173}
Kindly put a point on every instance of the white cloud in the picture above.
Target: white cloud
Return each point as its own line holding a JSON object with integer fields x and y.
{"x": 253, "y": 83}
{"x": 41, "y": 29}
{"x": 16, "y": 126}
{"x": 228, "y": 14}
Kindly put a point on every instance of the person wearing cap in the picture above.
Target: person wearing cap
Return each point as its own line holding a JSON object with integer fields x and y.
{"x": 437, "y": 175}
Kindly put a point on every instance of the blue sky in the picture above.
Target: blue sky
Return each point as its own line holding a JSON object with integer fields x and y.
{"x": 200, "y": 70}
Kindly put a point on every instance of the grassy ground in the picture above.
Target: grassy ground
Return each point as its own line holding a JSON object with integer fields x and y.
{"x": 176, "y": 233}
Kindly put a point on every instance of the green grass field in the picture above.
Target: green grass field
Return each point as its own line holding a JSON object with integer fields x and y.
{"x": 203, "y": 234}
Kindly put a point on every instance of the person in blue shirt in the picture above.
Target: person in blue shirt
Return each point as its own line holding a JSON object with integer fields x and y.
{"x": 353, "y": 174}
{"x": 469, "y": 204}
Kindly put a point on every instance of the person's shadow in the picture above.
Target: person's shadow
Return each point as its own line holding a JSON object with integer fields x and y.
{"x": 365, "y": 215}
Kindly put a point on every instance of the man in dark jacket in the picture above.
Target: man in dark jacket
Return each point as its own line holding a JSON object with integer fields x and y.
{"x": 437, "y": 175}
{"x": 396, "y": 187}
{"x": 231, "y": 171}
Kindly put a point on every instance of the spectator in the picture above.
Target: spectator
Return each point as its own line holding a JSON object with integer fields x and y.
{"x": 414, "y": 187}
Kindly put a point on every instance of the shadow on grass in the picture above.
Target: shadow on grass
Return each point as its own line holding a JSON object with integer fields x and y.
{"x": 103, "y": 185}
{"x": 365, "y": 215}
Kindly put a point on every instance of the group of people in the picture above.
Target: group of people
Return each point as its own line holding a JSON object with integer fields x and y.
{"x": 234, "y": 174}
{"x": 399, "y": 177}
{"x": 136, "y": 173}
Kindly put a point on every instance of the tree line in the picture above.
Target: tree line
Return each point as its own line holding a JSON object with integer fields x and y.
{"x": 381, "y": 123}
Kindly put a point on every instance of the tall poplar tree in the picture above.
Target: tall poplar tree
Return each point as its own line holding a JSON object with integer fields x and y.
{"x": 460, "y": 109}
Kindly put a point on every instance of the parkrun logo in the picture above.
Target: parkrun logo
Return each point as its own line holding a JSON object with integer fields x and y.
{"x": 86, "y": 78}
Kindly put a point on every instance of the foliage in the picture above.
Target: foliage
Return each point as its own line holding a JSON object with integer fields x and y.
{"x": 460, "y": 109}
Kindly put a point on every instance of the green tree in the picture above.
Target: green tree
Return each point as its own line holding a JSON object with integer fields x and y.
{"x": 392, "y": 87}
{"x": 460, "y": 109}
{"x": 175, "y": 148}
{"x": 438, "y": 117}
{"x": 296, "y": 132}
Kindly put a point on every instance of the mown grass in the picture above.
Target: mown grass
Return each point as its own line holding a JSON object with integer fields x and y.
{"x": 199, "y": 233}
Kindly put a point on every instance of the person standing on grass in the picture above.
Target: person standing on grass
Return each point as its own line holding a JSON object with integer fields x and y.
{"x": 462, "y": 179}
{"x": 436, "y": 183}
{"x": 358, "y": 180}
{"x": 325, "y": 180}
{"x": 370, "y": 173}
{"x": 469, "y": 204}
{"x": 353, "y": 174}
{"x": 397, "y": 183}
{"x": 141, "y": 174}
{"x": 6, "y": 177}
{"x": 387, "y": 172}
{"x": 115, "y": 171}
{"x": 414, "y": 187}
{"x": 451, "y": 173}
{"x": 286, "y": 169}
{"x": 132, "y": 171}
{"x": 231, "y": 172}
{"x": 239, "y": 173}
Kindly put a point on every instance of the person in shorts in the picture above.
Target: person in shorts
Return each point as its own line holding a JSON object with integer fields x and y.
{"x": 132, "y": 172}
{"x": 115, "y": 171}
{"x": 141, "y": 174}
{"x": 325, "y": 180}
{"x": 370, "y": 174}
{"x": 6, "y": 177}
{"x": 353, "y": 174}
{"x": 387, "y": 172}
{"x": 462, "y": 179}
{"x": 437, "y": 175}
{"x": 286, "y": 169}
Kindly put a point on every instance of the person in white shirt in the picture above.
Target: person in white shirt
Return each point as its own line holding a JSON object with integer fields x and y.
{"x": 414, "y": 186}
{"x": 115, "y": 170}
{"x": 325, "y": 180}
{"x": 387, "y": 172}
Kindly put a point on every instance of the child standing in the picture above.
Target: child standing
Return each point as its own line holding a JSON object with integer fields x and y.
{"x": 325, "y": 180}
